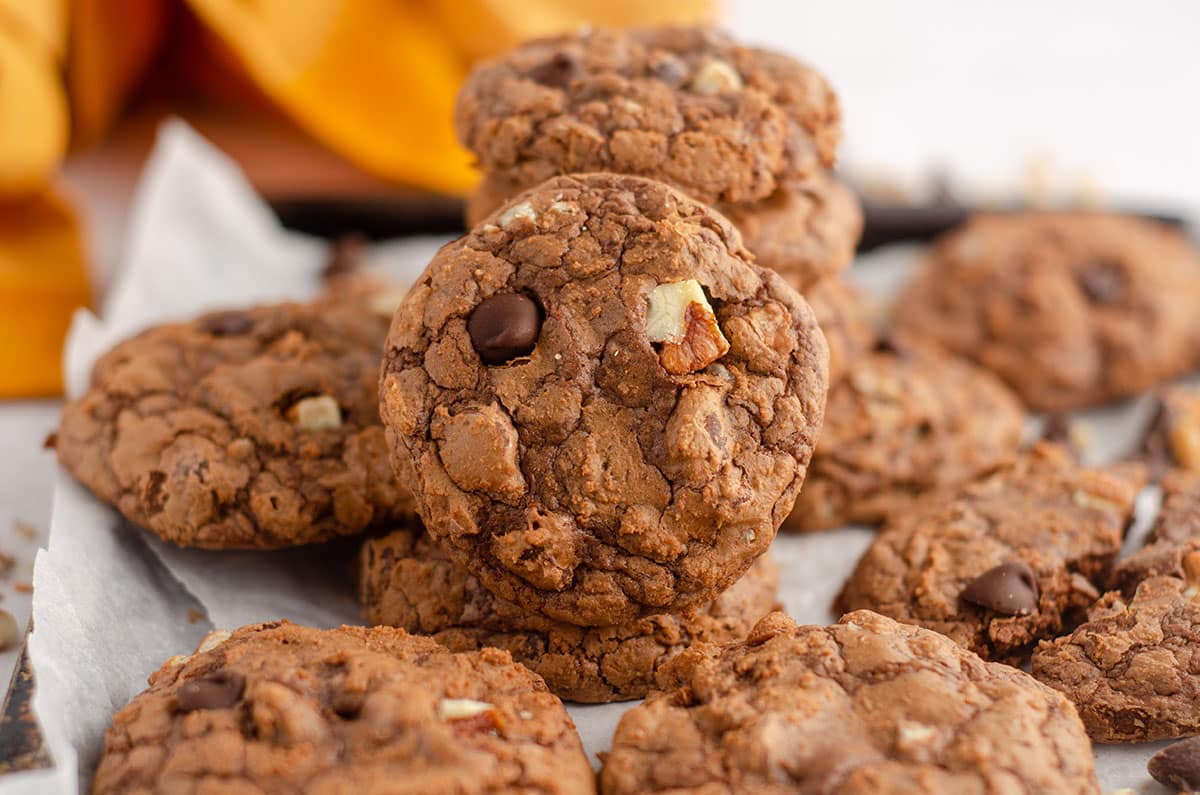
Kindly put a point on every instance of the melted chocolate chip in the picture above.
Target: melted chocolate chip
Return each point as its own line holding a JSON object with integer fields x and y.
{"x": 504, "y": 327}
{"x": 1009, "y": 588}
{"x": 1102, "y": 281}
{"x": 227, "y": 324}
{"x": 1178, "y": 765}
{"x": 215, "y": 691}
{"x": 559, "y": 72}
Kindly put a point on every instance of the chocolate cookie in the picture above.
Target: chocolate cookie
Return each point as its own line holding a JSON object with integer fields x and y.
{"x": 279, "y": 708}
{"x": 406, "y": 581}
{"x": 246, "y": 429}
{"x": 1173, "y": 438}
{"x": 864, "y": 706}
{"x": 805, "y": 231}
{"x": 1133, "y": 670}
{"x": 843, "y": 320}
{"x": 688, "y": 106}
{"x": 1071, "y": 310}
{"x": 605, "y": 409}
{"x": 1174, "y": 537}
{"x": 1001, "y": 562}
{"x": 902, "y": 423}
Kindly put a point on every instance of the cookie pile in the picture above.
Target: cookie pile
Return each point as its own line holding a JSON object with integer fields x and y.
{"x": 593, "y": 414}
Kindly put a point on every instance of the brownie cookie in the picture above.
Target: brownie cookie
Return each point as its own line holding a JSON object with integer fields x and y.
{"x": 245, "y": 429}
{"x": 1173, "y": 436}
{"x": 805, "y": 231}
{"x": 1001, "y": 562}
{"x": 1072, "y": 310}
{"x": 1133, "y": 670}
{"x": 406, "y": 581}
{"x": 280, "y": 708}
{"x": 901, "y": 423}
{"x": 688, "y": 106}
{"x": 604, "y": 407}
{"x": 867, "y": 705}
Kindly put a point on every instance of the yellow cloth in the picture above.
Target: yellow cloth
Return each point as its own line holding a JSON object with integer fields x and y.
{"x": 374, "y": 80}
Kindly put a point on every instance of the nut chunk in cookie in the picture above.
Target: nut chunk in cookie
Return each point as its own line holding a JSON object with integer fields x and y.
{"x": 244, "y": 429}
{"x": 406, "y": 581}
{"x": 280, "y": 708}
{"x": 1133, "y": 670}
{"x": 867, "y": 706}
{"x": 1003, "y": 561}
{"x": 606, "y": 408}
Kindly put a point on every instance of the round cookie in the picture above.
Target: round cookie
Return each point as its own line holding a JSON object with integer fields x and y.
{"x": 864, "y": 706}
{"x": 805, "y": 231}
{"x": 1071, "y": 310}
{"x": 280, "y": 708}
{"x": 842, "y": 317}
{"x": 406, "y": 581}
{"x": 1004, "y": 561}
{"x": 244, "y": 429}
{"x": 634, "y": 449}
{"x": 688, "y": 106}
{"x": 902, "y": 423}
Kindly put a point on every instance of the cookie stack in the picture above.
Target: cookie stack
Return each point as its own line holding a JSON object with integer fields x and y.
{"x": 604, "y": 409}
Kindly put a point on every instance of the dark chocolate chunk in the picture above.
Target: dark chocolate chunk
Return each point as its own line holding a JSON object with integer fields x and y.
{"x": 1178, "y": 765}
{"x": 215, "y": 691}
{"x": 227, "y": 324}
{"x": 558, "y": 72}
{"x": 1102, "y": 281}
{"x": 1009, "y": 588}
{"x": 504, "y": 327}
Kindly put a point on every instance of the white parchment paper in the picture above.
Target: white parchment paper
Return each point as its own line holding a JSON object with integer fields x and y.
{"x": 112, "y": 603}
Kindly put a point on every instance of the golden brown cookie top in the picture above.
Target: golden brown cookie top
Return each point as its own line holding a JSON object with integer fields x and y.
{"x": 280, "y": 708}
{"x": 689, "y": 106}
{"x": 628, "y": 447}
{"x": 250, "y": 429}
{"x": 867, "y": 705}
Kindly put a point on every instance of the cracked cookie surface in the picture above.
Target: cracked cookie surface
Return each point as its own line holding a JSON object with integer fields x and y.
{"x": 280, "y": 708}
{"x": 867, "y": 705}
{"x": 900, "y": 424}
{"x": 246, "y": 429}
{"x": 805, "y": 231}
{"x": 406, "y": 581}
{"x": 642, "y": 444}
{"x": 688, "y": 106}
{"x": 1071, "y": 310}
{"x": 1043, "y": 519}
{"x": 1133, "y": 670}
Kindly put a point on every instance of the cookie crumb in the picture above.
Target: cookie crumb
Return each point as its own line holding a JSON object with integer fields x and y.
{"x": 9, "y": 633}
{"x": 23, "y": 587}
{"x": 7, "y": 562}
{"x": 25, "y": 530}
{"x": 194, "y": 615}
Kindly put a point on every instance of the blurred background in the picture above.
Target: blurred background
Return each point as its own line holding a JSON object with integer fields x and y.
{"x": 340, "y": 113}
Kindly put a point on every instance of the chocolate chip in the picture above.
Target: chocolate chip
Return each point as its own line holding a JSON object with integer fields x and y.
{"x": 558, "y": 72}
{"x": 348, "y": 704}
{"x": 215, "y": 691}
{"x": 1102, "y": 281}
{"x": 1178, "y": 765}
{"x": 504, "y": 327}
{"x": 1009, "y": 588}
{"x": 228, "y": 323}
{"x": 668, "y": 68}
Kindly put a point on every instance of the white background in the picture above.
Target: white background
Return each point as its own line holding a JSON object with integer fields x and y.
{"x": 1100, "y": 92}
